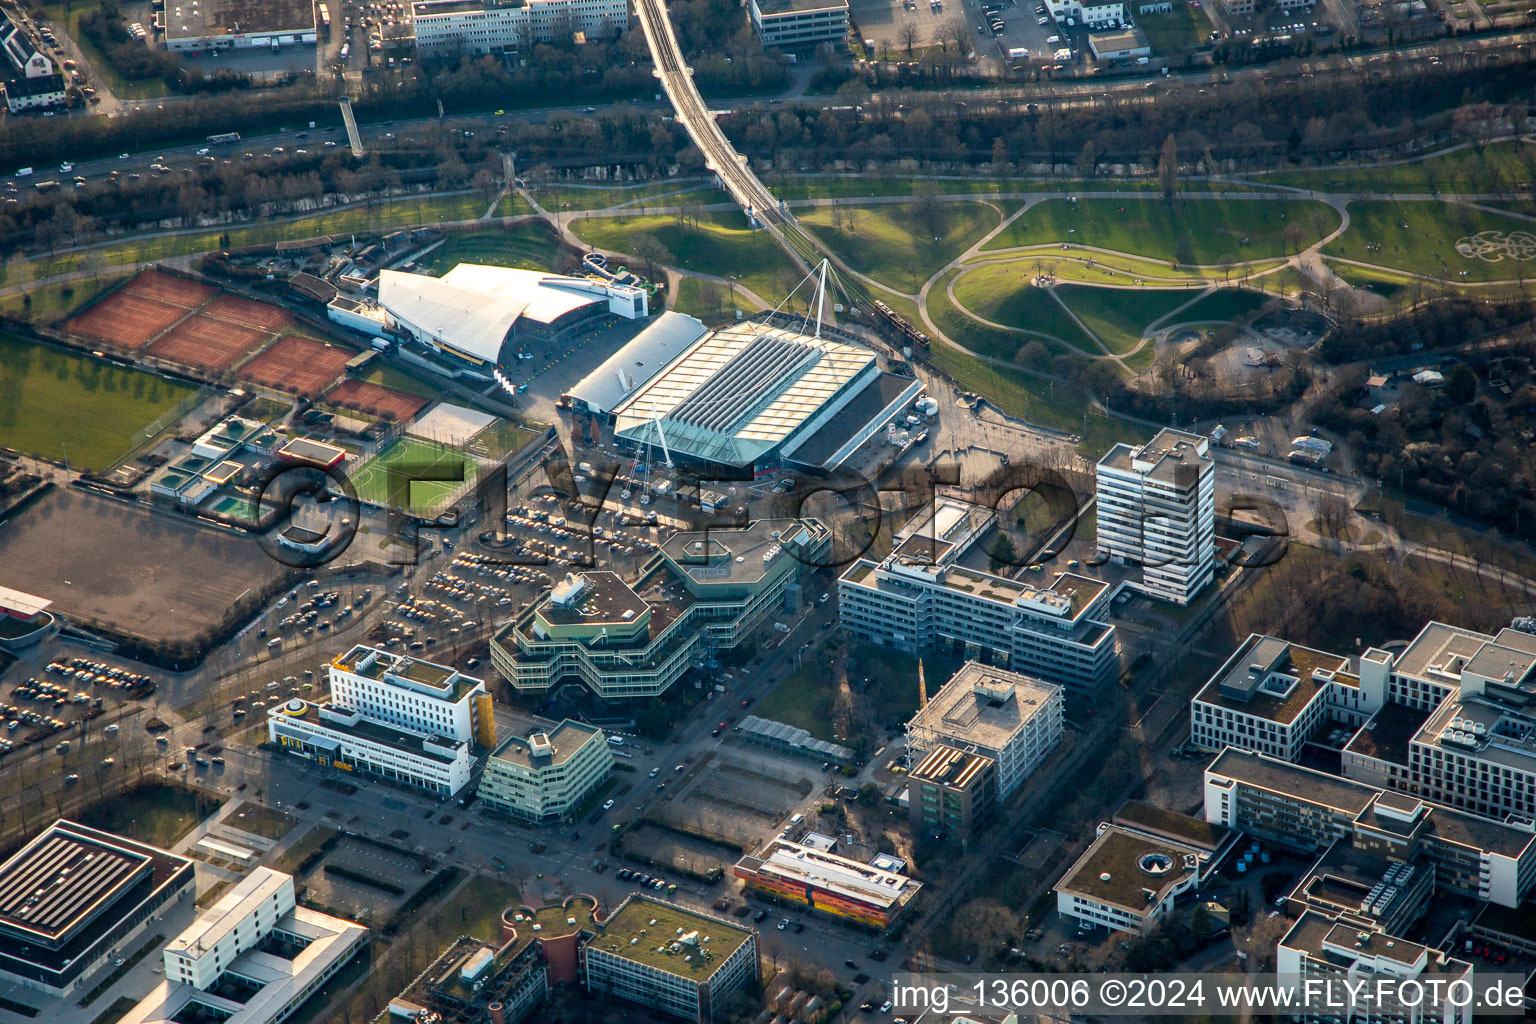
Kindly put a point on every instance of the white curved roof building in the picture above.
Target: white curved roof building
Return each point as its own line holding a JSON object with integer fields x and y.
{"x": 473, "y": 310}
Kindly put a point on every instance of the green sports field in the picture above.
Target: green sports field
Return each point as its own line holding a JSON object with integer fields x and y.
{"x": 54, "y": 403}
{"x": 387, "y": 478}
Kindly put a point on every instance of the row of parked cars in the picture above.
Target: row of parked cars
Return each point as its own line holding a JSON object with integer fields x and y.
{"x": 644, "y": 880}
{"x": 96, "y": 673}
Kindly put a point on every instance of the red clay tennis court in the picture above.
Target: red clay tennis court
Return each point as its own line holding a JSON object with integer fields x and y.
{"x": 177, "y": 291}
{"x": 125, "y": 320}
{"x": 296, "y": 364}
{"x": 205, "y": 342}
{"x": 375, "y": 400}
{"x": 241, "y": 310}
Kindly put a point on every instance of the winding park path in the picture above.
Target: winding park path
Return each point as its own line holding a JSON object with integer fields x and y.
{"x": 1106, "y": 269}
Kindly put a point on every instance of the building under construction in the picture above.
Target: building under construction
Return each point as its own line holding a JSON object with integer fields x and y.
{"x": 1013, "y": 719}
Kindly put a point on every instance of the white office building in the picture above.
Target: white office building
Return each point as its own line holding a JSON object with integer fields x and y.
{"x": 1322, "y": 950}
{"x": 1272, "y": 696}
{"x": 546, "y": 776}
{"x": 484, "y": 26}
{"x": 1011, "y": 718}
{"x": 252, "y": 958}
{"x": 1092, "y": 14}
{"x": 799, "y": 23}
{"x": 1157, "y": 509}
{"x": 393, "y": 715}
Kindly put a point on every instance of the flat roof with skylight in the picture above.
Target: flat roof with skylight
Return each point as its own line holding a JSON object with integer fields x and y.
{"x": 740, "y": 392}
{"x": 666, "y": 937}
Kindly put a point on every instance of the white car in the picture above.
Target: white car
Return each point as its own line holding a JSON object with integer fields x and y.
{"x": 607, "y": 805}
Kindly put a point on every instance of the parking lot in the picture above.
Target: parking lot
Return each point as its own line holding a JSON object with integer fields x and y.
{"x": 738, "y": 803}
{"x": 1021, "y": 29}
{"x": 154, "y": 575}
{"x": 364, "y": 902}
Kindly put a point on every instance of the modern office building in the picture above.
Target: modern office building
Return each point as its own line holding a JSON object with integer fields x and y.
{"x": 799, "y": 22}
{"x": 1012, "y": 719}
{"x": 1126, "y": 881}
{"x": 489, "y": 26}
{"x": 74, "y": 897}
{"x": 1137, "y": 867}
{"x": 475, "y": 980}
{"x": 1450, "y": 718}
{"x": 1157, "y": 509}
{"x": 393, "y": 715}
{"x": 252, "y": 958}
{"x": 1272, "y": 696}
{"x": 1310, "y": 811}
{"x": 663, "y": 957}
{"x": 701, "y": 593}
{"x": 1460, "y": 728}
{"x": 919, "y": 598}
{"x": 951, "y": 792}
{"x": 1323, "y": 950}
{"x": 822, "y": 881}
{"x": 545, "y": 776}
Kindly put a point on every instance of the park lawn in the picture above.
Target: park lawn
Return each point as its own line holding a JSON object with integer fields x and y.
{"x": 1388, "y": 285}
{"x": 476, "y": 908}
{"x": 513, "y": 205}
{"x": 527, "y": 246}
{"x": 1497, "y": 168}
{"x": 602, "y": 197}
{"x": 984, "y": 339}
{"x": 1221, "y": 306}
{"x": 54, "y": 302}
{"x": 390, "y": 376}
{"x": 1002, "y": 293}
{"x": 1141, "y": 360}
{"x": 155, "y": 813}
{"x": 1420, "y": 236}
{"x": 1059, "y": 406}
{"x": 1199, "y": 231}
{"x": 401, "y": 213}
{"x": 890, "y": 242}
{"x": 800, "y": 187}
{"x": 1182, "y": 29}
{"x": 386, "y": 478}
{"x": 693, "y": 300}
{"x": 55, "y": 403}
{"x": 720, "y": 244}
{"x": 1118, "y": 316}
{"x": 892, "y": 692}
{"x": 805, "y": 699}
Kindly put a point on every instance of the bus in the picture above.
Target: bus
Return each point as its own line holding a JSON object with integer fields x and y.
{"x": 226, "y": 139}
{"x": 325, "y": 16}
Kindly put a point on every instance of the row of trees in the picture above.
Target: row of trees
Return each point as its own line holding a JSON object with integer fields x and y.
{"x": 1450, "y": 321}
{"x": 1460, "y": 447}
